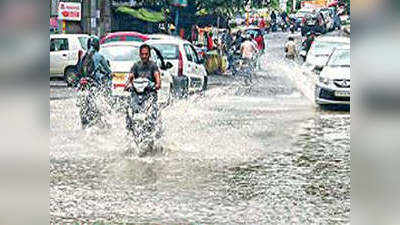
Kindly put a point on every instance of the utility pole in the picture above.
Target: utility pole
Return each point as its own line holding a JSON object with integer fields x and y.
{"x": 177, "y": 22}
{"x": 294, "y": 6}
{"x": 93, "y": 17}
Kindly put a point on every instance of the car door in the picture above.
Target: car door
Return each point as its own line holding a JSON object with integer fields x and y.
{"x": 195, "y": 79}
{"x": 200, "y": 69}
{"x": 59, "y": 55}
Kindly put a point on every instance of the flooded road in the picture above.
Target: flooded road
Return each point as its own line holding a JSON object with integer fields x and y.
{"x": 259, "y": 154}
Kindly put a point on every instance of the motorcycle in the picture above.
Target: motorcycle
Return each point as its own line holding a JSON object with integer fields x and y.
{"x": 88, "y": 100}
{"x": 246, "y": 69}
{"x": 141, "y": 115}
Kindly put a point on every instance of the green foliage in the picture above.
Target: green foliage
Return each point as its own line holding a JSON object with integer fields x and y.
{"x": 142, "y": 14}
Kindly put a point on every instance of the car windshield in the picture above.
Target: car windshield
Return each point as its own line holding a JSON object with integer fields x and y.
{"x": 326, "y": 47}
{"x": 120, "y": 53}
{"x": 83, "y": 41}
{"x": 340, "y": 58}
{"x": 168, "y": 51}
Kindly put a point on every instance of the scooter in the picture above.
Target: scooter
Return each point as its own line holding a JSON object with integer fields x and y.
{"x": 87, "y": 101}
{"x": 141, "y": 115}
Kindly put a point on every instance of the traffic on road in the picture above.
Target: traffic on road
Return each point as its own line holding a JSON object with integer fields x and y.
{"x": 246, "y": 124}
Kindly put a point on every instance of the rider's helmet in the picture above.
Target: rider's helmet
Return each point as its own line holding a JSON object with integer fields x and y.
{"x": 94, "y": 42}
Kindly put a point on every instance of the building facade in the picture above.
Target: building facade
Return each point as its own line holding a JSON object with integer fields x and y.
{"x": 95, "y": 17}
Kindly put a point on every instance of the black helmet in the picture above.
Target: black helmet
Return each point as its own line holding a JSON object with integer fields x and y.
{"x": 94, "y": 42}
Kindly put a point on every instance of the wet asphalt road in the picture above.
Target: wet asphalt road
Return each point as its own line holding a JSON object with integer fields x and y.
{"x": 258, "y": 154}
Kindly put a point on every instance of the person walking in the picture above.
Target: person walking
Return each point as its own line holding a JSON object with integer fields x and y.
{"x": 290, "y": 49}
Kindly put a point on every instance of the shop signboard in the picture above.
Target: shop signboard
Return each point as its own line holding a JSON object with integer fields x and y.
{"x": 69, "y": 11}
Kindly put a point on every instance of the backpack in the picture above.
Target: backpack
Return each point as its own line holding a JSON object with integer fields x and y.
{"x": 88, "y": 67}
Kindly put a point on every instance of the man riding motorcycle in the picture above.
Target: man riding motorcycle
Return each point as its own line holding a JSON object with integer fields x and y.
{"x": 94, "y": 80}
{"x": 148, "y": 69}
{"x": 306, "y": 45}
{"x": 248, "y": 49}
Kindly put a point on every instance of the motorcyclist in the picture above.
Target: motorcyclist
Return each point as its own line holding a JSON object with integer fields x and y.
{"x": 238, "y": 40}
{"x": 94, "y": 71}
{"x": 146, "y": 68}
{"x": 308, "y": 41}
{"x": 99, "y": 70}
{"x": 248, "y": 50}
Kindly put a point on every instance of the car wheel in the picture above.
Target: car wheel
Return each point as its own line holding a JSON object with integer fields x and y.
{"x": 70, "y": 76}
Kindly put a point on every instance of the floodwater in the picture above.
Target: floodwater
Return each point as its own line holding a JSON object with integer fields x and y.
{"x": 258, "y": 154}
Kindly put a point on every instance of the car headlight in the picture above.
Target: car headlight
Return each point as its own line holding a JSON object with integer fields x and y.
{"x": 324, "y": 80}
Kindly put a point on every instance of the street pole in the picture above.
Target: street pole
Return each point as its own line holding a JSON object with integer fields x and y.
{"x": 177, "y": 22}
{"x": 294, "y": 6}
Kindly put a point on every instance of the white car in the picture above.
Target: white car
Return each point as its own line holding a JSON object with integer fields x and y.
{"x": 321, "y": 49}
{"x": 333, "y": 86}
{"x": 122, "y": 55}
{"x": 163, "y": 37}
{"x": 64, "y": 50}
{"x": 188, "y": 72}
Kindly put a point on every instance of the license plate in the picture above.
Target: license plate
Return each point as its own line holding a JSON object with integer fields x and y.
{"x": 119, "y": 92}
{"x": 119, "y": 77}
{"x": 342, "y": 93}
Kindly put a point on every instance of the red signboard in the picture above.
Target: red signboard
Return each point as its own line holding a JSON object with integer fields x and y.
{"x": 69, "y": 11}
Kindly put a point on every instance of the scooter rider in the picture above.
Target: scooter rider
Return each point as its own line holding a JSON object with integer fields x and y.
{"x": 308, "y": 41}
{"x": 146, "y": 68}
{"x": 95, "y": 66}
{"x": 248, "y": 50}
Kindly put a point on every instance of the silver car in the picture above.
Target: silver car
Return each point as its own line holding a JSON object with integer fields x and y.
{"x": 333, "y": 86}
{"x": 320, "y": 50}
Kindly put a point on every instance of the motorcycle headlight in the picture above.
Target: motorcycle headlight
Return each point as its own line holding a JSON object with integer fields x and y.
{"x": 324, "y": 80}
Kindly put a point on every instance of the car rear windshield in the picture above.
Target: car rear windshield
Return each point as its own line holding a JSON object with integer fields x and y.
{"x": 340, "y": 58}
{"x": 168, "y": 51}
{"x": 123, "y": 38}
{"x": 83, "y": 41}
{"x": 121, "y": 53}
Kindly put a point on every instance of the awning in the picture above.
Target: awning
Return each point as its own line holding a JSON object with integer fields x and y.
{"x": 142, "y": 14}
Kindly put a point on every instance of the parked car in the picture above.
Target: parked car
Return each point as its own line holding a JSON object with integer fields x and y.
{"x": 320, "y": 50}
{"x": 188, "y": 73}
{"x": 328, "y": 19}
{"x": 162, "y": 37}
{"x": 64, "y": 51}
{"x": 122, "y": 55}
{"x": 301, "y": 14}
{"x": 124, "y": 36}
{"x": 333, "y": 86}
